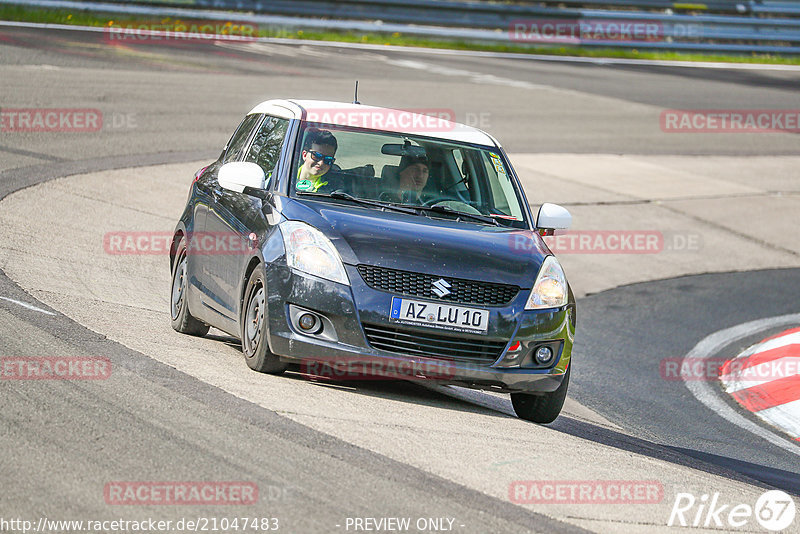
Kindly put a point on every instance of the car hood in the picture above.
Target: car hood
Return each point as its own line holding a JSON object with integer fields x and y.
{"x": 415, "y": 243}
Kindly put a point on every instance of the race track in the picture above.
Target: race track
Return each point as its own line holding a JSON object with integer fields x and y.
{"x": 177, "y": 408}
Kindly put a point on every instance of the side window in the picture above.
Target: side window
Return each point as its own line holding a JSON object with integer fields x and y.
{"x": 501, "y": 187}
{"x": 266, "y": 147}
{"x": 461, "y": 176}
{"x": 459, "y": 161}
{"x": 239, "y": 140}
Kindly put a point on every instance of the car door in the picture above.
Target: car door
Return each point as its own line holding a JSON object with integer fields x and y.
{"x": 202, "y": 243}
{"x": 201, "y": 191}
{"x": 236, "y": 221}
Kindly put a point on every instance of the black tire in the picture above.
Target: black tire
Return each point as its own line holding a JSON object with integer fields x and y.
{"x": 254, "y": 327}
{"x": 541, "y": 408}
{"x": 181, "y": 317}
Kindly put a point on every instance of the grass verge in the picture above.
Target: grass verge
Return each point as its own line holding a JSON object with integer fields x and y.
{"x": 96, "y": 19}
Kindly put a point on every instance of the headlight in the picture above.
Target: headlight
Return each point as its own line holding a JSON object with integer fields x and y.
{"x": 550, "y": 289}
{"x": 309, "y": 251}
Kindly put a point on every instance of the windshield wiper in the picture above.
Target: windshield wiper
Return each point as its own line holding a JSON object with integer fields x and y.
{"x": 405, "y": 208}
{"x": 341, "y": 195}
{"x": 451, "y": 211}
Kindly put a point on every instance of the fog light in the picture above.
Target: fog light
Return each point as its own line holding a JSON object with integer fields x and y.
{"x": 307, "y": 322}
{"x": 544, "y": 355}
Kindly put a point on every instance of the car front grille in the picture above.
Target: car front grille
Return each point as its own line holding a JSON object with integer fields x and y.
{"x": 433, "y": 345}
{"x": 421, "y": 285}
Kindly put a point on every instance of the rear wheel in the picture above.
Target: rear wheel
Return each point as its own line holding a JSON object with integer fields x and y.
{"x": 182, "y": 319}
{"x": 542, "y": 408}
{"x": 254, "y": 327}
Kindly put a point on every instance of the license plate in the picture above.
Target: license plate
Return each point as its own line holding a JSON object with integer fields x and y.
{"x": 436, "y": 315}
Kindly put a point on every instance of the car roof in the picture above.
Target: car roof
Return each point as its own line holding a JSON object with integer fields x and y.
{"x": 429, "y": 122}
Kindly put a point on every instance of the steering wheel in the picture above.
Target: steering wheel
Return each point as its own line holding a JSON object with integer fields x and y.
{"x": 433, "y": 201}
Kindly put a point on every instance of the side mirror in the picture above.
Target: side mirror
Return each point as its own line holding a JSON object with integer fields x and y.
{"x": 552, "y": 217}
{"x": 242, "y": 177}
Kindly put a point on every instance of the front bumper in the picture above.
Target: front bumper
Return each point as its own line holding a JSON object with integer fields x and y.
{"x": 345, "y": 308}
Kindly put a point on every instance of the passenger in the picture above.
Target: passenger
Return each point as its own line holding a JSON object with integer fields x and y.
{"x": 412, "y": 176}
{"x": 319, "y": 149}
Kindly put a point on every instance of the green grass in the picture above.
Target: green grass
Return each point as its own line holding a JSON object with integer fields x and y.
{"x": 85, "y": 18}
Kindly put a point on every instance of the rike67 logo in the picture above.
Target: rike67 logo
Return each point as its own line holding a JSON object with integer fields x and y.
{"x": 774, "y": 510}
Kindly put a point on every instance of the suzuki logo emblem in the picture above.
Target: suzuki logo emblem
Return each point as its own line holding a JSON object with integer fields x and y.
{"x": 440, "y": 287}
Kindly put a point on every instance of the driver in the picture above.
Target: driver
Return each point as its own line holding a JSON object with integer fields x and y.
{"x": 319, "y": 149}
{"x": 413, "y": 173}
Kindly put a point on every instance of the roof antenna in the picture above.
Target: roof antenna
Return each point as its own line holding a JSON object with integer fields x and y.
{"x": 355, "y": 96}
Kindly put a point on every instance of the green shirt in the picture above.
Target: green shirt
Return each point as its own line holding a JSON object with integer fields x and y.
{"x": 309, "y": 185}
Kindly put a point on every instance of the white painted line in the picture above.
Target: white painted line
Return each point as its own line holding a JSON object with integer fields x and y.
{"x": 421, "y": 50}
{"x": 267, "y": 49}
{"x": 50, "y": 26}
{"x": 567, "y": 59}
{"x": 26, "y": 305}
{"x": 704, "y": 393}
{"x": 786, "y": 417}
{"x": 762, "y": 373}
{"x": 474, "y": 76}
{"x": 778, "y": 342}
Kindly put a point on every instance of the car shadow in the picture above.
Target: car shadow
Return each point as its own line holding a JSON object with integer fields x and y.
{"x": 226, "y": 339}
{"x": 416, "y": 392}
{"x": 466, "y": 400}
{"x": 723, "y": 466}
{"x": 479, "y": 402}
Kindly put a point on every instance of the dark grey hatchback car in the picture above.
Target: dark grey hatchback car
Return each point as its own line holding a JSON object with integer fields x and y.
{"x": 379, "y": 242}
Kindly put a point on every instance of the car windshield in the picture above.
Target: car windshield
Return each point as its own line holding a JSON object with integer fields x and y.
{"x": 399, "y": 169}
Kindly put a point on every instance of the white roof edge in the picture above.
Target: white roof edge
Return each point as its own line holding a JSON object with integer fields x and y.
{"x": 347, "y": 114}
{"x": 284, "y": 108}
{"x": 494, "y": 140}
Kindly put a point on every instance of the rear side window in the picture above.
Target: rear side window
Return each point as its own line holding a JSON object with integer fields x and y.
{"x": 266, "y": 147}
{"x": 237, "y": 143}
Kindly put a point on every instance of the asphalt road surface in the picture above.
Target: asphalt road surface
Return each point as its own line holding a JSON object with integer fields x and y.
{"x": 187, "y": 410}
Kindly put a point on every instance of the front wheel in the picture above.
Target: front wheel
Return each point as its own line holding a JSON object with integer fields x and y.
{"x": 254, "y": 327}
{"x": 542, "y": 408}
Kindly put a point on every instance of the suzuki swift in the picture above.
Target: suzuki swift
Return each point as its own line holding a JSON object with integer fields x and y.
{"x": 351, "y": 236}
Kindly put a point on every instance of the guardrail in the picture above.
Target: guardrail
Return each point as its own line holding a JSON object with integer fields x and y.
{"x": 750, "y": 26}
{"x": 791, "y": 7}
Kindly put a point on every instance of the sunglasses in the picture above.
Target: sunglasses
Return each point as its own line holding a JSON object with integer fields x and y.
{"x": 317, "y": 156}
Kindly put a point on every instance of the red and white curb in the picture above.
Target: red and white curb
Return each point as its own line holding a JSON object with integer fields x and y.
{"x": 765, "y": 380}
